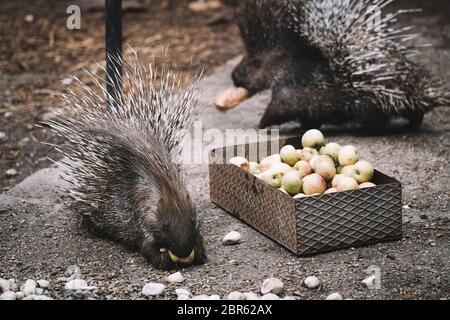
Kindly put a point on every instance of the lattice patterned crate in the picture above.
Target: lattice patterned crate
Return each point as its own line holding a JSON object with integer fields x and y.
{"x": 311, "y": 225}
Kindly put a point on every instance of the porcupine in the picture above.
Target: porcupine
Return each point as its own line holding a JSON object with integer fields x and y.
{"x": 351, "y": 70}
{"x": 123, "y": 165}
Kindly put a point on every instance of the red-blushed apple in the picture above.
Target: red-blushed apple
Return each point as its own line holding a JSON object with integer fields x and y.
{"x": 363, "y": 172}
{"x": 324, "y": 166}
{"x": 240, "y": 162}
{"x": 269, "y": 161}
{"x": 304, "y": 168}
{"x": 336, "y": 179}
{"x": 367, "y": 185}
{"x": 332, "y": 150}
{"x": 348, "y": 170}
{"x": 313, "y": 139}
{"x": 271, "y": 177}
{"x": 308, "y": 153}
{"x": 346, "y": 184}
{"x": 253, "y": 168}
{"x": 348, "y": 155}
{"x": 331, "y": 190}
{"x": 292, "y": 182}
{"x": 314, "y": 183}
{"x": 311, "y": 162}
{"x": 289, "y": 155}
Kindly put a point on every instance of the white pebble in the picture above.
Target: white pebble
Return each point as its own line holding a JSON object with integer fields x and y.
{"x": 29, "y": 287}
{"x": 30, "y": 297}
{"x": 78, "y": 284}
{"x": 153, "y": 289}
{"x": 289, "y": 298}
{"x": 11, "y": 172}
{"x": 369, "y": 281}
{"x": 270, "y": 296}
{"x": 20, "y": 295}
{"x": 272, "y": 285}
{"x": 214, "y": 297}
{"x": 8, "y": 295}
{"x": 43, "y": 283}
{"x": 5, "y": 285}
{"x": 250, "y": 296}
{"x": 182, "y": 297}
{"x": 201, "y": 297}
{"x": 231, "y": 238}
{"x": 39, "y": 291}
{"x": 235, "y": 296}
{"x": 312, "y": 282}
{"x": 13, "y": 285}
{"x": 334, "y": 296}
{"x": 175, "y": 278}
{"x": 42, "y": 297}
{"x": 183, "y": 292}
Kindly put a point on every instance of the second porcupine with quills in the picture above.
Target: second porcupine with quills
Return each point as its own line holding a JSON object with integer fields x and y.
{"x": 349, "y": 68}
{"x": 122, "y": 163}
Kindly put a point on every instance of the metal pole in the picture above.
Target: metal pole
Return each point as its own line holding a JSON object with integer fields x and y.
{"x": 113, "y": 46}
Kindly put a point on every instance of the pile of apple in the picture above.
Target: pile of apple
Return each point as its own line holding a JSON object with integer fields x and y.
{"x": 316, "y": 169}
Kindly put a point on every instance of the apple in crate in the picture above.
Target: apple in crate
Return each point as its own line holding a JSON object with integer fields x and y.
{"x": 331, "y": 190}
{"x": 348, "y": 155}
{"x": 240, "y": 162}
{"x": 292, "y": 182}
{"x": 289, "y": 155}
{"x": 281, "y": 169}
{"x": 363, "y": 171}
{"x": 332, "y": 150}
{"x": 313, "y": 138}
{"x": 271, "y": 177}
{"x": 253, "y": 168}
{"x": 324, "y": 166}
{"x": 314, "y": 183}
{"x": 367, "y": 185}
{"x": 268, "y": 162}
{"x": 336, "y": 179}
{"x": 348, "y": 170}
{"x": 346, "y": 184}
{"x": 307, "y": 153}
{"x": 304, "y": 168}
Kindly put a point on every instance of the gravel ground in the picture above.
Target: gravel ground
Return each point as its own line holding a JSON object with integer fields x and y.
{"x": 40, "y": 239}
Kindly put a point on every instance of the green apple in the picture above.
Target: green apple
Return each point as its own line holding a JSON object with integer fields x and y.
{"x": 332, "y": 150}
{"x": 271, "y": 177}
{"x": 363, "y": 172}
{"x": 348, "y": 170}
{"x": 346, "y": 184}
{"x": 308, "y": 153}
{"x": 348, "y": 155}
{"x": 292, "y": 182}
{"x": 367, "y": 185}
{"x": 268, "y": 162}
{"x": 314, "y": 183}
{"x": 324, "y": 166}
{"x": 289, "y": 155}
{"x": 331, "y": 190}
{"x": 304, "y": 168}
{"x": 253, "y": 168}
{"x": 313, "y": 139}
{"x": 282, "y": 168}
{"x": 336, "y": 179}
{"x": 240, "y": 162}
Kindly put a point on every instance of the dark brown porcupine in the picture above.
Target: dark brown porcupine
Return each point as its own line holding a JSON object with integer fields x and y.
{"x": 123, "y": 163}
{"x": 270, "y": 44}
{"x": 350, "y": 68}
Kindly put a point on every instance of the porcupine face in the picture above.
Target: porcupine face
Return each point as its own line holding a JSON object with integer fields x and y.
{"x": 176, "y": 239}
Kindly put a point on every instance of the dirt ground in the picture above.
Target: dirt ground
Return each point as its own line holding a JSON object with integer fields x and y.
{"x": 36, "y": 56}
{"x": 42, "y": 237}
